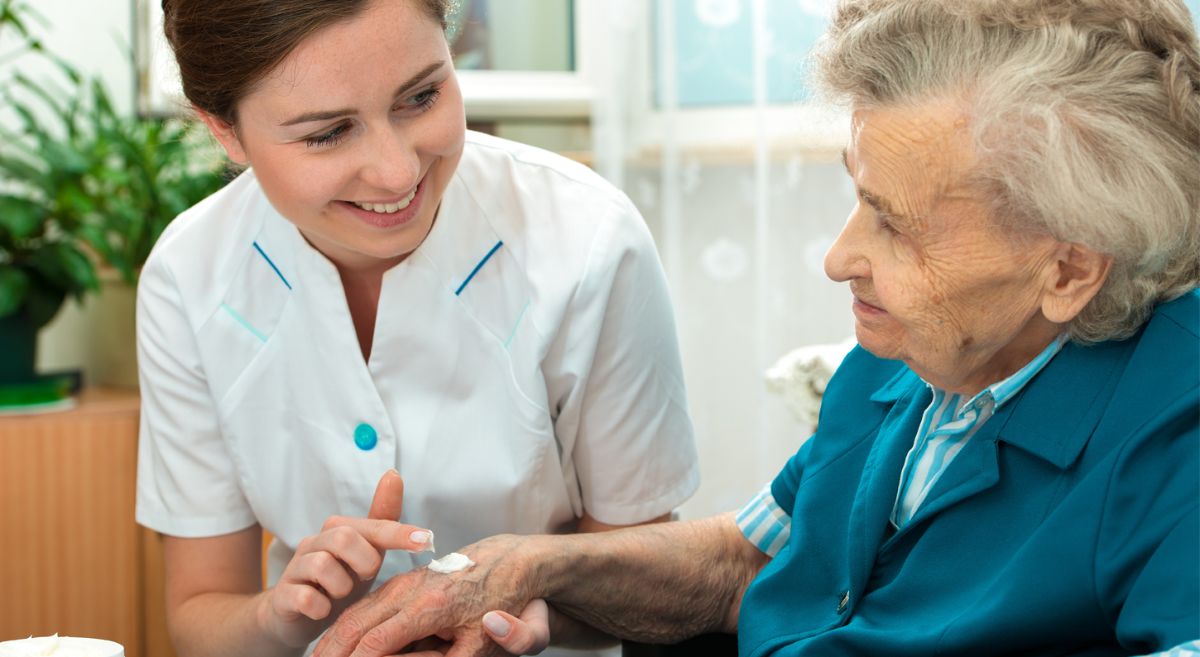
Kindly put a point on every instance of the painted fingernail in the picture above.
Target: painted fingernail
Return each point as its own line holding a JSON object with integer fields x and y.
{"x": 496, "y": 624}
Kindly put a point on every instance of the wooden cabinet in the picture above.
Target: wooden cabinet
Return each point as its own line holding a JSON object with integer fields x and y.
{"x": 72, "y": 559}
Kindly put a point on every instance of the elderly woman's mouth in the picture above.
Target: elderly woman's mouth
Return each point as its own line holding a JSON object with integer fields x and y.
{"x": 861, "y": 306}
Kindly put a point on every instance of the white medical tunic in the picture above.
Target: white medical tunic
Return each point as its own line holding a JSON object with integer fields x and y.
{"x": 524, "y": 370}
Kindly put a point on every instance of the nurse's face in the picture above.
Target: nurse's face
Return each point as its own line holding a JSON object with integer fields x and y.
{"x": 355, "y": 135}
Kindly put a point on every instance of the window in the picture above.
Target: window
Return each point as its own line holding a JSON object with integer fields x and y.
{"x": 727, "y": 73}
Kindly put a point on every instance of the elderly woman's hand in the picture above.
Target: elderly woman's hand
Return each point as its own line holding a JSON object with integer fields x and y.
{"x": 420, "y": 604}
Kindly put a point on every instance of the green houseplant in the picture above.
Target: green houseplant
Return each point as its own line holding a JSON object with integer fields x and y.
{"x": 81, "y": 186}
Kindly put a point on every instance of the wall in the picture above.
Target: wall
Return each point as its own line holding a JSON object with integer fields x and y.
{"x": 94, "y": 35}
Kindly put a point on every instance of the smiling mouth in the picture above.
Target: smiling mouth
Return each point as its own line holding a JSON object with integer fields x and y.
{"x": 387, "y": 208}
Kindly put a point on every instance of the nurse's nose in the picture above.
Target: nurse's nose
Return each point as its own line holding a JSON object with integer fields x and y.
{"x": 392, "y": 162}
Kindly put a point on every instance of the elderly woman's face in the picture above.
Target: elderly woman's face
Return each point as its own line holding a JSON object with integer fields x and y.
{"x": 936, "y": 282}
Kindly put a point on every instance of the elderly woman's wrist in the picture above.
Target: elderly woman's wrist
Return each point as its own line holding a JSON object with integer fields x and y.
{"x": 549, "y": 564}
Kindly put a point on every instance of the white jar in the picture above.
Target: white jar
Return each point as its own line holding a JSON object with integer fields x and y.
{"x": 60, "y": 646}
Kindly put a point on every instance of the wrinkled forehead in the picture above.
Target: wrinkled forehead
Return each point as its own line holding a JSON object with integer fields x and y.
{"x": 913, "y": 152}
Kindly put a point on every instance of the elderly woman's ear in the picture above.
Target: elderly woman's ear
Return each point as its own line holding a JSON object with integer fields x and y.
{"x": 1077, "y": 273}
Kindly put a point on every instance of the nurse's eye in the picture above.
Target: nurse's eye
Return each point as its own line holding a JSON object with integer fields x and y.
{"x": 422, "y": 101}
{"x": 330, "y": 138}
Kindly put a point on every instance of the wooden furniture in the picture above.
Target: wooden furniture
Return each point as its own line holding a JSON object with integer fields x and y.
{"x": 72, "y": 559}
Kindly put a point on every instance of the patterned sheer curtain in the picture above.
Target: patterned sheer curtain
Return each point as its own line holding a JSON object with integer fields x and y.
{"x": 702, "y": 117}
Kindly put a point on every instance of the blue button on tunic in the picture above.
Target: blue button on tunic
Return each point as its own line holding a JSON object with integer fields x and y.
{"x": 365, "y": 437}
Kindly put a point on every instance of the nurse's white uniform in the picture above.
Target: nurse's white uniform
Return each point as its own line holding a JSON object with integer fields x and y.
{"x": 525, "y": 367}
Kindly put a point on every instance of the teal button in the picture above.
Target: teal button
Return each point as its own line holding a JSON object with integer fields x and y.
{"x": 365, "y": 437}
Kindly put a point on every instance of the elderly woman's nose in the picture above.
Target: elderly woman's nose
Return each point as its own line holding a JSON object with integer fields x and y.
{"x": 392, "y": 163}
{"x": 845, "y": 260}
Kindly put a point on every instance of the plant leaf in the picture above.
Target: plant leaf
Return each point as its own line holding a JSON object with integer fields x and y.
{"x": 14, "y": 286}
{"x": 20, "y": 217}
{"x": 65, "y": 267}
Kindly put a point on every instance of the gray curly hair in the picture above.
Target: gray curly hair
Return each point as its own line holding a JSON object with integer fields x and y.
{"x": 1085, "y": 116}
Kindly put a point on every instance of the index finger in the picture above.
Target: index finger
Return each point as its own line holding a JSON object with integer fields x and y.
{"x": 389, "y": 497}
{"x": 386, "y": 535}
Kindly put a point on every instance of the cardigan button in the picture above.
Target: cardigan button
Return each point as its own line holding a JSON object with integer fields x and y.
{"x": 844, "y": 602}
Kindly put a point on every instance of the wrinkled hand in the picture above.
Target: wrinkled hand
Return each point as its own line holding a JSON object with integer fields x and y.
{"x": 421, "y": 606}
{"x": 335, "y": 568}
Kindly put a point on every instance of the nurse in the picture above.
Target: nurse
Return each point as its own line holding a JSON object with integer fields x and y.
{"x": 381, "y": 289}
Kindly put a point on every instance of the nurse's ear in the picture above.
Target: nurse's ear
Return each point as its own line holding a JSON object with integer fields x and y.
{"x": 225, "y": 133}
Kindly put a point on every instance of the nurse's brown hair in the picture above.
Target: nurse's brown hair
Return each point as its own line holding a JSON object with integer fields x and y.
{"x": 225, "y": 47}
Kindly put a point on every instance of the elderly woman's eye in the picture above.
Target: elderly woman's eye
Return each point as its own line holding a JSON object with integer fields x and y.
{"x": 885, "y": 222}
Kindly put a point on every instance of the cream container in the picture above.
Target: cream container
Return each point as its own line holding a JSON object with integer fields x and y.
{"x": 60, "y": 646}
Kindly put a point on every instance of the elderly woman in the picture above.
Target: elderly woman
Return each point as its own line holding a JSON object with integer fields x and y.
{"x": 1009, "y": 462}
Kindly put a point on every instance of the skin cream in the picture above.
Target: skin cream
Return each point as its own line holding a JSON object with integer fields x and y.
{"x": 451, "y": 563}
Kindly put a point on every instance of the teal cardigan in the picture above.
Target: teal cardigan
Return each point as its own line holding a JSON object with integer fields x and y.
{"x": 1068, "y": 525}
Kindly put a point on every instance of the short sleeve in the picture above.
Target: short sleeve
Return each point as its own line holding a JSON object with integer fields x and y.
{"x": 616, "y": 380}
{"x": 187, "y": 483}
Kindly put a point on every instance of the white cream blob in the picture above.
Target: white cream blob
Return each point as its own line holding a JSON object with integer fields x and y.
{"x": 451, "y": 563}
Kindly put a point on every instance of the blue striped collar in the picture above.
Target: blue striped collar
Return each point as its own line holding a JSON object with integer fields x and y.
{"x": 1001, "y": 392}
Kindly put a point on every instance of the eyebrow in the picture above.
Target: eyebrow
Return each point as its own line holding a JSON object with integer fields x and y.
{"x": 874, "y": 200}
{"x": 325, "y": 115}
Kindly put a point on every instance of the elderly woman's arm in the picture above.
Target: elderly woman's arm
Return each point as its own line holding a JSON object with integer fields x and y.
{"x": 656, "y": 583}
{"x": 1147, "y": 573}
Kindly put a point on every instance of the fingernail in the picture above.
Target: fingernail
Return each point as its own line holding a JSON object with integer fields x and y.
{"x": 422, "y": 537}
{"x": 496, "y": 624}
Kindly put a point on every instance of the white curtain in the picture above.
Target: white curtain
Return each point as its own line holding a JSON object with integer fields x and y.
{"x": 743, "y": 197}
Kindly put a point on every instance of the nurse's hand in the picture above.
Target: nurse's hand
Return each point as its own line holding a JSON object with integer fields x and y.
{"x": 335, "y": 568}
{"x": 528, "y": 634}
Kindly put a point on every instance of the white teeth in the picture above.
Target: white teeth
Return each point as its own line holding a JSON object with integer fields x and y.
{"x": 388, "y": 208}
